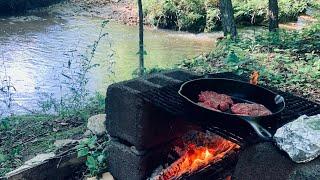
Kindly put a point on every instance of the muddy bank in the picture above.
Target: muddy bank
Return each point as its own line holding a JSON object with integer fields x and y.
{"x": 123, "y": 11}
{"x": 20, "y": 6}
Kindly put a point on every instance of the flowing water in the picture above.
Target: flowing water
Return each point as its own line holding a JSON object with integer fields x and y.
{"x": 36, "y": 50}
{"x": 39, "y": 50}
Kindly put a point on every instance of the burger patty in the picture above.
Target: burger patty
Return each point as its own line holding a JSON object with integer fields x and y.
{"x": 207, "y": 105}
{"x": 211, "y": 99}
{"x": 250, "y": 109}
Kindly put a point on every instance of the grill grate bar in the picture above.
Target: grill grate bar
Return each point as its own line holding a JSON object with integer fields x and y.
{"x": 168, "y": 99}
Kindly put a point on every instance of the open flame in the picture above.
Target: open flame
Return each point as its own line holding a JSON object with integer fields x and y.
{"x": 254, "y": 77}
{"x": 196, "y": 158}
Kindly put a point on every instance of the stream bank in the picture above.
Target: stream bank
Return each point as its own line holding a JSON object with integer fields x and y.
{"x": 20, "y": 6}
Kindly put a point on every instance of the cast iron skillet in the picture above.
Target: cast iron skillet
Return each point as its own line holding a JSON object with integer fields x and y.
{"x": 240, "y": 92}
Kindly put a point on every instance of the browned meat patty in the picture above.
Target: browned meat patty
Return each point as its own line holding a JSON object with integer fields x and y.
{"x": 250, "y": 109}
{"x": 214, "y": 100}
{"x": 207, "y": 105}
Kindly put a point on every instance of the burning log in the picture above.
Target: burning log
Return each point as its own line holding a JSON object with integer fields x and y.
{"x": 197, "y": 157}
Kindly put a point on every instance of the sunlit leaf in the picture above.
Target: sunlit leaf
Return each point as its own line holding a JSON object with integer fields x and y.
{"x": 83, "y": 152}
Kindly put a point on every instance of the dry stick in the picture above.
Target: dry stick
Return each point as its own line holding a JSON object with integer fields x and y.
{"x": 30, "y": 139}
{"x": 59, "y": 162}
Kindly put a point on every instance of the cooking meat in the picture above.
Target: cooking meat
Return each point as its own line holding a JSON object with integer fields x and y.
{"x": 250, "y": 109}
{"x": 215, "y": 100}
{"x": 207, "y": 105}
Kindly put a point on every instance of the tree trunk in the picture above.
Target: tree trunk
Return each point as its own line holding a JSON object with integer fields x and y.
{"x": 273, "y": 15}
{"x": 141, "y": 48}
{"x": 227, "y": 18}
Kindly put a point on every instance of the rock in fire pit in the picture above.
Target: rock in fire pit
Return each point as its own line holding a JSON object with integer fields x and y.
{"x": 265, "y": 161}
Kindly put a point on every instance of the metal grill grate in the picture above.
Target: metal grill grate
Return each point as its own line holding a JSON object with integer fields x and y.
{"x": 168, "y": 99}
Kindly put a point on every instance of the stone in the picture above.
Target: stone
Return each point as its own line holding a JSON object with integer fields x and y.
{"x": 92, "y": 178}
{"x": 37, "y": 160}
{"x": 126, "y": 163}
{"x": 64, "y": 142}
{"x": 58, "y": 167}
{"x": 107, "y": 176}
{"x": 87, "y": 133}
{"x": 300, "y": 139}
{"x": 96, "y": 124}
{"x": 264, "y": 161}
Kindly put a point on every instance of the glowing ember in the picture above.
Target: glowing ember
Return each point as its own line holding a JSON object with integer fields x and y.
{"x": 197, "y": 157}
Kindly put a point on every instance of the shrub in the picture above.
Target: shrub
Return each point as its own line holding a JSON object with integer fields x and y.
{"x": 289, "y": 60}
{"x": 204, "y": 15}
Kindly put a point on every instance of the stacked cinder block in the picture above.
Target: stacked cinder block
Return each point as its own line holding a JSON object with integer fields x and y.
{"x": 139, "y": 130}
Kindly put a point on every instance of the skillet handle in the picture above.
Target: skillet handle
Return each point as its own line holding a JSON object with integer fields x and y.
{"x": 278, "y": 99}
{"x": 261, "y": 131}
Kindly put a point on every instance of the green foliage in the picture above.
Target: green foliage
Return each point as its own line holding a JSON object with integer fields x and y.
{"x": 4, "y": 124}
{"x": 289, "y": 10}
{"x": 250, "y": 12}
{"x": 95, "y": 153}
{"x": 204, "y": 15}
{"x": 28, "y": 135}
{"x": 286, "y": 59}
{"x": 76, "y": 100}
{"x": 177, "y": 14}
{"x": 146, "y": 71}
{"x": 213, "y": 19}
{"x": 314, "y": 4}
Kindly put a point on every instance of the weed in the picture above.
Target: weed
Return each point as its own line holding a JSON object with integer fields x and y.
{"x": 27, "y": 135}
{"x": 6, "y": 90}
{"x": 95, "y": 152}
{"x": 75, "y": 97}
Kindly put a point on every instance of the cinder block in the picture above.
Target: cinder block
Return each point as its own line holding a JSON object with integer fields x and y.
{"x": 181, "y": 75}
{"x": 163, "y": 80}
{"x": 139, "y": 123}
{"x": 136, "y": 121}
{"x": 126, "y": 163}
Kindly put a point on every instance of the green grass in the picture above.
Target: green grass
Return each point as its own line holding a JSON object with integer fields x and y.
{"x": 23, "y": 137}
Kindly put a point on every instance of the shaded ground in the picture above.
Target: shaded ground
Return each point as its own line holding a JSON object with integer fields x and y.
{"x": 119, "y": 10}
{"x": 23, "y": 137}
{"x": 123, "y": 11}
{"x": 18, "y": 6}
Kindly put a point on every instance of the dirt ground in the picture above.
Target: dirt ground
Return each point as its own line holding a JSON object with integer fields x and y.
{"x": 124, "y": 11}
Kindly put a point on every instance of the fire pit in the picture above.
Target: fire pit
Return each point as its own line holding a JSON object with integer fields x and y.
{"x": 153, "y": 137}
{"x": 196, "y": 152}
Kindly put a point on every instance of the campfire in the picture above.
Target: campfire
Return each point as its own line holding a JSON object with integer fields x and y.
{"x": 195, "y": 154}
{"x": 154, "y": 135}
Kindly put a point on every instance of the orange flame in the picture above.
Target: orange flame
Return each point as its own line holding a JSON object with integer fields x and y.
{"x": 254, "y": 77}
{"x": 196, "y": 158}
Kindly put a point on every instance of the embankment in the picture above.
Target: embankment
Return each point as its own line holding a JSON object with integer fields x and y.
{"x": 20, "y": 6}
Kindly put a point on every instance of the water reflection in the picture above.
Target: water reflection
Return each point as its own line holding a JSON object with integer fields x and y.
{"x": 36, "y": 49}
